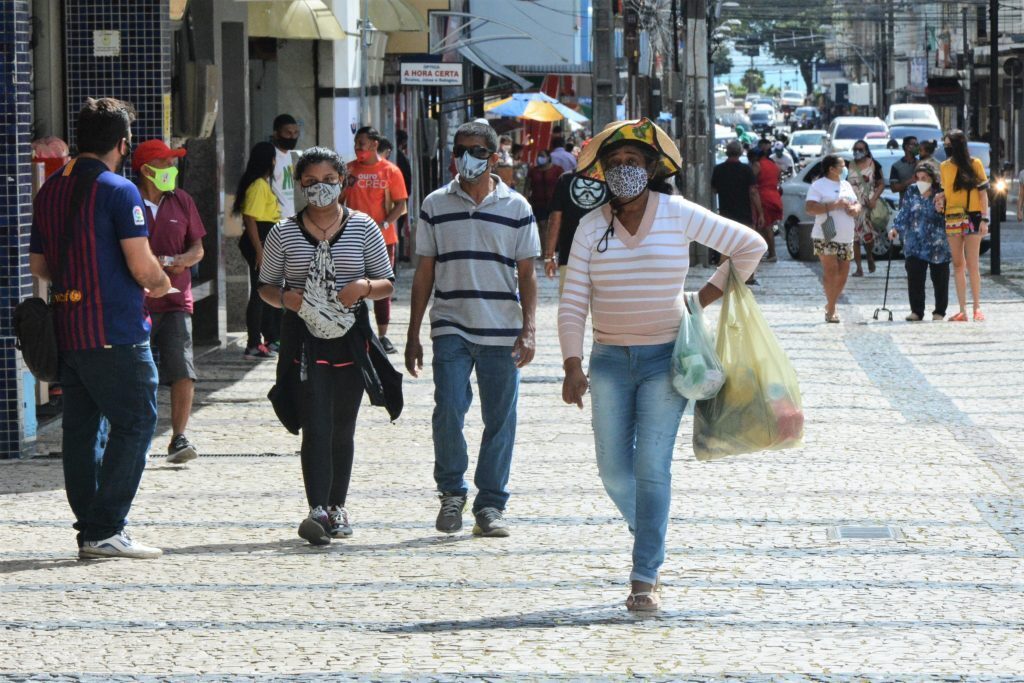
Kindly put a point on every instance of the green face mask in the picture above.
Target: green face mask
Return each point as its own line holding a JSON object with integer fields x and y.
{"x": 163, "y": 178}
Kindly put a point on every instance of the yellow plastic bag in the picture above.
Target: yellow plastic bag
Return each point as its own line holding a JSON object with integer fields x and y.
{"x": 759, "y": 407}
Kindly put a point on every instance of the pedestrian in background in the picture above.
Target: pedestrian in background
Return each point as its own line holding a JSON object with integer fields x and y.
{"x": 90, "y": 238}
{"x": 964, "y": 202}
{"x": 736, "y": 187}
{"x": 832, "y": 197}
{"x": 540, "y": 188}
{"x": 258, "y": 205}
{"x": 904, "y": 170}
{"x": 563, "y": 157}
{"x": 506, "y": 164}
{"x": 926, "y": 154}
{"x": 405, "y": 168}
{"x": 285, "y": 138}
{"x": 376, "y": 187}
{"x": 766, "y": 172}
{"x": 346, "y": 249}
{"x": 866, "y": 178}
{"x": 628, "y": 266}
{"x": 176, "y": 237}
{"x": 477, "y": 244}
{"x": 575, "y": 197}
{"x": 922, "y": 230}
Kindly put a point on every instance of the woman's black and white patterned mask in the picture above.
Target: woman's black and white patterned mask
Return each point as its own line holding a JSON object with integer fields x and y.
{"x": 322, "y": 195}
{"x": 626, "y": 182}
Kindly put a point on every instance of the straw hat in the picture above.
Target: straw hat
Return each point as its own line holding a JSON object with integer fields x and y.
{"x": 641, "y": 131}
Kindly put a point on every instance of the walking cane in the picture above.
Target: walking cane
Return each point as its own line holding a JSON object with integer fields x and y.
{"x": 885, "y": 297}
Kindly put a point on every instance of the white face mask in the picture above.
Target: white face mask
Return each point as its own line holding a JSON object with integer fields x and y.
{"x": 923, "y": 186}
{"x": 322, "y": 195}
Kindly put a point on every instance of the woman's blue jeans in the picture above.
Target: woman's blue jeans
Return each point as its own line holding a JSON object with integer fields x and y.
{"x": 636, "y": 415}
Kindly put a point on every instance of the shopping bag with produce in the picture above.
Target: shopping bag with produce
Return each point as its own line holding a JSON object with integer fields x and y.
{"x": 759, "y": 406}
{"x": 696, "y": 371}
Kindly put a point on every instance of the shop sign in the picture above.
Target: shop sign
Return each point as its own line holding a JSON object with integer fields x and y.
{"x": 427, "y": 73}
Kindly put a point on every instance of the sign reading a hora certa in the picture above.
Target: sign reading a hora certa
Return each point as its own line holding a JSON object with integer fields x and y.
{"x": 428, "y": 73}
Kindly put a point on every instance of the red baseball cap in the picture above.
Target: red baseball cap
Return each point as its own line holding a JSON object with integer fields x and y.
{"x": 151, "y": 150}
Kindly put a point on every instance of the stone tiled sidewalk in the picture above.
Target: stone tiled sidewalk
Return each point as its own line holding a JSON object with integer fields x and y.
{"x": 917, "y": 426}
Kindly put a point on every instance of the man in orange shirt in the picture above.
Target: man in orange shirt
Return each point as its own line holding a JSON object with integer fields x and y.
{"x": 375, "y": 186}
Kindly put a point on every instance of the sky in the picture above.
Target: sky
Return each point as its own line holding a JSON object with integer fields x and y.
{"x": 774, "y": 74}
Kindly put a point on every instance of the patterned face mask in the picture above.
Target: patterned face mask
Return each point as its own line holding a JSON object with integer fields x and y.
{"x": 470, "y": 168}
{"x": 322, "y": 195}
{"x": 626, "y": 182}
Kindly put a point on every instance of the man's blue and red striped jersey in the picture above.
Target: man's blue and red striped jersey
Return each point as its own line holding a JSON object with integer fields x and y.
{"x": 99, "y": 303}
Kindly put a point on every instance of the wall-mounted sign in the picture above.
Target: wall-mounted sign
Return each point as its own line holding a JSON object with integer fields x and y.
{"x": 106, "y": 43}
{"x": 427, "y": 73}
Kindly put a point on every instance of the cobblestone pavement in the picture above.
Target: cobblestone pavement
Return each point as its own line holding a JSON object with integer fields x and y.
{"x": 913, "y": 426}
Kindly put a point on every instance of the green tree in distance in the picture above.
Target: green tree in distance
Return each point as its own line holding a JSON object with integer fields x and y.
{"x": 752, "y": 80}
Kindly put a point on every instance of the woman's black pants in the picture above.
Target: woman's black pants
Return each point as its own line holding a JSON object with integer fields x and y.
{"x": 262, "y": 321}
{"x": 330, "y": 405}
{"x": 917, "y": 270}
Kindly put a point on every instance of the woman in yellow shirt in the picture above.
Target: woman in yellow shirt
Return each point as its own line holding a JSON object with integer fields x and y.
{"x": 964, "y": 191}
{"x": 256, "y": 202}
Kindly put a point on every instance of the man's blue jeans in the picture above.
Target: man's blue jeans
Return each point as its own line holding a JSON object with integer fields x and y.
{"x": 118, "y": 383}
{"x": 636, "y": 415}
{"x": 497, "y": 379}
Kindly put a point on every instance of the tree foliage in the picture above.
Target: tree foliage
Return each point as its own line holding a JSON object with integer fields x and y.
{"x": 752, "y": 80}
{"x": 722, "y": 60}
{"x": 792, "y": 32}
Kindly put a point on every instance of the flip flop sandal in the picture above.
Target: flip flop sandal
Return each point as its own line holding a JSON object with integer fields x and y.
{"x": 831, "y": 317}
{"x": 979, "y": 317}
{"x": 960, "y": 317}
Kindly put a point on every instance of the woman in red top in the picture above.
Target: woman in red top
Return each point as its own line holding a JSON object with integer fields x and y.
{"x": 767, "y": 174}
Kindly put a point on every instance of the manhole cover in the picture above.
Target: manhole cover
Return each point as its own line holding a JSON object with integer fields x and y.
{"x": 883, "y": 533}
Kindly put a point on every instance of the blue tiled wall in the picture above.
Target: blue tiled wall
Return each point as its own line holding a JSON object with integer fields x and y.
{"x": 141, "y": 74}
{"x": 15, "y": 209}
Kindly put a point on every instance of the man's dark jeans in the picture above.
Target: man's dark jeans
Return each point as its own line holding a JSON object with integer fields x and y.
{"x": 118, "y": 383}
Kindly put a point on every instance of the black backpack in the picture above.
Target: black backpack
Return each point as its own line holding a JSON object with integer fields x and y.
{"x": 34, "y": 327}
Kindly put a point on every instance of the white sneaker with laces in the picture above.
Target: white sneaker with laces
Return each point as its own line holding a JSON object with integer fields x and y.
{"x": 339, "y": 522}
{"x": 119, "y": 545}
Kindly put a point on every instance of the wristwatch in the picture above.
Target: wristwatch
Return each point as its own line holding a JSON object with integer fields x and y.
{"x": 385, "y": 225}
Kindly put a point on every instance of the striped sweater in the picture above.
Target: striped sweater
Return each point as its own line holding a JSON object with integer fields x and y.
{"x": 634, "y": 288}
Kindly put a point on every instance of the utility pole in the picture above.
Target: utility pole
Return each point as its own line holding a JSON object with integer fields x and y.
{"x": 697, "y": 124}
{"x": 604, "y": 65}
{"x": 964, "y": 116}
{"x": 631, "y": 46}
{"x": 993, "y": 125}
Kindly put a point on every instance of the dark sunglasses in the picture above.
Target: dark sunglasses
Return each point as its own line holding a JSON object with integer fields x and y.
{"x": 476, "y": 151}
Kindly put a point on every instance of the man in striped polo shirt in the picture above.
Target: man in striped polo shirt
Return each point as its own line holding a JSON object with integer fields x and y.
{"x": 477, "y": 241}
{"x": 89, "y": 236}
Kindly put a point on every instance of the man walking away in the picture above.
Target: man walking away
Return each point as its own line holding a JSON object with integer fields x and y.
{"x": 176, "y": 237}
{"x": 575, "y": 197}
{"x": 736, "y": 187}
{"x": 89, "y": 238}
{"x": 402, "y": 162}
{"x": 476, "y": 242}
{"x": 285, "y": 138}
{"x": 375, "y": 186}
{"x": 903, "y": 169}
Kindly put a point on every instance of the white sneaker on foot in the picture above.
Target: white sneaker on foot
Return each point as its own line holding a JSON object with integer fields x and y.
{"x": 119, "y": 545}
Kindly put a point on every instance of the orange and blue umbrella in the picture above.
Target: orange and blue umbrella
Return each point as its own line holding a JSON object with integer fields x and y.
{"x": 535, "y": 106}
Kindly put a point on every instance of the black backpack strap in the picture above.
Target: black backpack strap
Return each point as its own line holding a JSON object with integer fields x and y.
{"x": 83, "y": 183}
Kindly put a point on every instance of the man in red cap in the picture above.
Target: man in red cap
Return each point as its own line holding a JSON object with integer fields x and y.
{"x": 176, "y": 238}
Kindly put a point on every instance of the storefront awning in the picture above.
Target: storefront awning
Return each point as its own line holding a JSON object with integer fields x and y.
{"x": 490, "y": 67}
{"x": 297, "y": 20}
{"x": 395, "y": 15}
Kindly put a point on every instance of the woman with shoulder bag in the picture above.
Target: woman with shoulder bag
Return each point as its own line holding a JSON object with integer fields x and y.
{"x": 833, "y": 203}
{"x": 922, "y": 229}
{"x": 868, "y": 183}
{"x": 319, "y": 267}
{"x": 964, "y": 200}
{"x": 627, "y": 267}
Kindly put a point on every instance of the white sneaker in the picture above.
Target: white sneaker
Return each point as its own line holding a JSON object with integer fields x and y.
{"x": 119, "y": 545}
{"x": 339, "y": 523}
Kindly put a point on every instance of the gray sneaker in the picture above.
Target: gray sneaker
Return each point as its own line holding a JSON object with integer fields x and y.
{"x": 339, "y": 525}
{"x": 490, "y": 522}
{"x": 314, "y": 528}
{"x": 449, "y": 519}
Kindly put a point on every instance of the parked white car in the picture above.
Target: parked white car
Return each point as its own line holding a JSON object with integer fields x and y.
{"x": 807, "y": 143}
{"x": 797, "y": 223}
{"x": 912, "y": 114}
{"x": 846, "y": 130}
